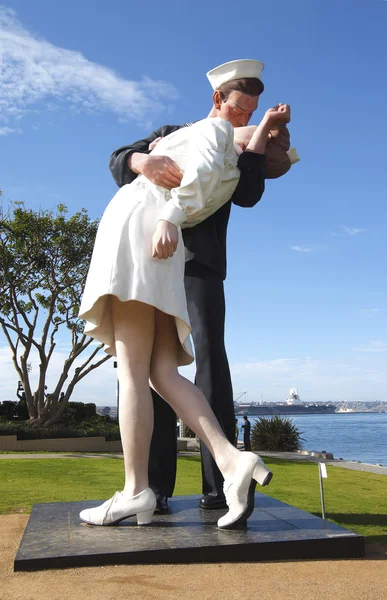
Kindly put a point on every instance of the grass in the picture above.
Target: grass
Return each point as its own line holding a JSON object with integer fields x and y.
{"x": 354, "y": 499}
{"x": 35, "y": 452}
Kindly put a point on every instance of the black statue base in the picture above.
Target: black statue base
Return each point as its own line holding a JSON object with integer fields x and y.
{"x": 56, "y": 538}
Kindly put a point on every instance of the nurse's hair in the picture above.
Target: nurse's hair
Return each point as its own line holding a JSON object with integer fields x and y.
{"x": 277, "y": 159}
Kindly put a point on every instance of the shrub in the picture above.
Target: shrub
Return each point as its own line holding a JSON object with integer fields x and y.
{"x": 7, "y": 409}
{"x": 276, "y": 434}
{"x": 76, "y": 412}
{"x": 97, "y": 426}
{"x": 26, "y": 431}
{"x": 21, "y": 411}
{"x": 10, "y": 410}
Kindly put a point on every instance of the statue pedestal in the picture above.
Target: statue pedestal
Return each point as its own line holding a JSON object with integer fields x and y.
{"x": 56, "y": 538}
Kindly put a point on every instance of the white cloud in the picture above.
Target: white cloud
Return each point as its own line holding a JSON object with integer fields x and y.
{"x": 274, "y": 367}
{"x": 301, "y": 249}
{"x": 352, "y": 230}
{"x": 373, "y": 346}
{"x": 35, "y": 73}
{"x": 8, "y": 130}
{"x": 316, "y": 379}
{"x": 370, "y": 310}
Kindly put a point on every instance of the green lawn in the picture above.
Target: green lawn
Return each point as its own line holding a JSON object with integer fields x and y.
{"x": 353, "y": 499}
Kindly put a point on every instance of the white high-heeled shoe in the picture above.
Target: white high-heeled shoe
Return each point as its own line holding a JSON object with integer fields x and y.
{"x": 121, "y": 507}
{"x": 240, "y": 491}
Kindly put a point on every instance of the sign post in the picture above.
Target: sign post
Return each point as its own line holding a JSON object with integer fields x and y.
{"x": 117, "y": 389}
{"x": 322, "y": 472}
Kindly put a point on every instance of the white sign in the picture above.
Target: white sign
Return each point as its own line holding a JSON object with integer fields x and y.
{"x": 323, "y": 470}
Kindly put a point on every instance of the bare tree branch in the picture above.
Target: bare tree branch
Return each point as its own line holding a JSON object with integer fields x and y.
{"x": 90, "y": 358}
{"x": 94, "y": 366}
{"x": 23, "y": 338}
{"x": 13, "y": 349}
{"x": 20, "y": 310}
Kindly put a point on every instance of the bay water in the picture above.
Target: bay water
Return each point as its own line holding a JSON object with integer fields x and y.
{"x": 351, "y": 436}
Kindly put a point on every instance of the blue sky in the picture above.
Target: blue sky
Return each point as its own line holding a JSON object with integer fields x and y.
{"x": 306, "y": 287}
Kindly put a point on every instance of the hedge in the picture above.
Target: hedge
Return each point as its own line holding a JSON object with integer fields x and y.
{"x": 96, "y": 426}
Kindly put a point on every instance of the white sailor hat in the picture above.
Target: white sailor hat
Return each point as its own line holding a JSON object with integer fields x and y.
{"x": 235, "y": 69}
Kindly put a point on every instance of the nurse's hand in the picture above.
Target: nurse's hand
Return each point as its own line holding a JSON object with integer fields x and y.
{"x": 278, "y": 115}
{"x": 165, "y": 239}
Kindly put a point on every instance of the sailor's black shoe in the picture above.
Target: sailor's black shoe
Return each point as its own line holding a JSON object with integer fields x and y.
{"x": 161, "y": 504}
{"x": 213, "y": 502}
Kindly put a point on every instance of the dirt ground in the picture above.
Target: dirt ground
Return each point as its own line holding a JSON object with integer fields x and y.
{"x": 364, "y": 579}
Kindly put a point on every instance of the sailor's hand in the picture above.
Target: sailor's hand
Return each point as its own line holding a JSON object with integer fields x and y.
{"x": 160, "y": 170}
{"x": 278, "y": 115}
{"x": 165, "y": 239}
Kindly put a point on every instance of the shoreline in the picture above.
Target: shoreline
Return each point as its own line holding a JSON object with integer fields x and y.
{"x": 320, "y": 414}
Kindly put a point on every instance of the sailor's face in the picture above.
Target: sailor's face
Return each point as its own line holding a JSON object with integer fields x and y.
{"x": 238, "y": 108}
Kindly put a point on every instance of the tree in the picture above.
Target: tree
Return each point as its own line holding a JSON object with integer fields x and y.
{"x": 44, "y": 258}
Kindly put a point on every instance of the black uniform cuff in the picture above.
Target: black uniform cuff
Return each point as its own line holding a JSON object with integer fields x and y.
{"x": 251, "y": 160}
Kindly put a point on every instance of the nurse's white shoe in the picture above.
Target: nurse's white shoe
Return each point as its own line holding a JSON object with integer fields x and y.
{"x": 121, "y": 507}
{"x": 240, "y": 491}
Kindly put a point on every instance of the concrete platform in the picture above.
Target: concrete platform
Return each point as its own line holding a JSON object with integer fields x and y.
{"x": 56, "y": 538}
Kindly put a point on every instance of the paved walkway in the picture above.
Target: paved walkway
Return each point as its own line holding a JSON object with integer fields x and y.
{"x": 353, "y": 465}
{"x": 344, "y": 464}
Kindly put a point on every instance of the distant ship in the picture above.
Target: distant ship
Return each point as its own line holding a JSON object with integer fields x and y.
{"x": 293, "y": 406}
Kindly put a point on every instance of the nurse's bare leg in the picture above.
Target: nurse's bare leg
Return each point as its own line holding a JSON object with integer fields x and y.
{"x": 184, "y": 397}
{"x": 134, "y": 336}
{"x": 134, "y": 332}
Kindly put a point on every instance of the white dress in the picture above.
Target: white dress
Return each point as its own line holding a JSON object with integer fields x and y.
{"x": 122, "y": 263}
